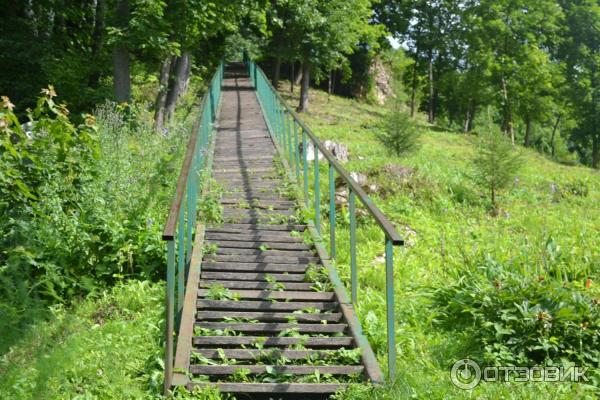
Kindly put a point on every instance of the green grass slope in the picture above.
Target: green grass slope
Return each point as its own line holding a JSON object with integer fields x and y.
{"x": 463, "y": 272}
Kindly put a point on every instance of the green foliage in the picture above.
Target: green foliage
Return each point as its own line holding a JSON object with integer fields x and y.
{"x": 401, "y": 134}
{"x": 437, "y": 209}
{"x": 496, "y": 163}
{"x": 81, "y": 205}
{"x": 520, "y": 320}
{"x": 108, "y": 346}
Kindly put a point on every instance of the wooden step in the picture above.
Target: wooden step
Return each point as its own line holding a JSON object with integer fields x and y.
{"x": 277, "y": 295}
{"x": 257, "y": 285}
{"x": 249, "y": 213}
{"x": 254, "y": 354}
{"x": 268, "y": 316}
{"x": 254, "y": 237}
{"x": 277, "y": 327}
{"x": 251, "y": 276}
{"x": 263, "y": 253}
{"x": 262, "y": 259}
{"x": 255, "y": 228}
{"x": 273, "y": 388}
{"x": 265, "y": 305}
{"x": 276, "y": 369}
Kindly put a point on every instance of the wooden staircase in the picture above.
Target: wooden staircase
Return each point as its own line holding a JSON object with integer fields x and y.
{"x": 263, "y": 326}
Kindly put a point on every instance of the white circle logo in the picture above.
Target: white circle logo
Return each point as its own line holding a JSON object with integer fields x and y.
{"x": 465, "y": 374}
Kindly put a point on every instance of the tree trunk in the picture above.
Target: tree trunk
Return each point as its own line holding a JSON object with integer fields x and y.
{"x": 468, "y": 117}
{"x": 595, "y": 152}
{"x": 179, "y": 68}
{"x": 292, "y": 75}
{"x": 527, "y": 141}
{"x": 508, "y": 124}
{"x": 414, "y": 86}
{"x": 97, "y": 42}
{"x": 276, "y": 72}
{"x": 303, "y": 106}
{"x": 431, "y": 116}
{"x": 121, "y": 73}
{"x": 554, "y": 129}
{"x": 298, "y": 76}
{"x": 161, "y": 98}
{"x": 329, "y": 85}
{"x": 472, "y": 115}
{"x": 121, "y": 77}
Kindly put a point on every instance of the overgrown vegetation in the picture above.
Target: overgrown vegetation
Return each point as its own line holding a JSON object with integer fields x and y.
{"x": 519, "y": 288}
{"x": 82, "y": 205}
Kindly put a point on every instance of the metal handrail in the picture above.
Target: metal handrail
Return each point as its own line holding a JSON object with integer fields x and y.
{"x": 181, "y": 223}
{"x": 277, "y": 114}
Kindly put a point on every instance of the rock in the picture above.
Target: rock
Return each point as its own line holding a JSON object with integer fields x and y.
{"x": 383, "y": 81}
{"x": 398, "y": 171}
{"x": 310, "y": 151}
{"x": 339, "y": 151}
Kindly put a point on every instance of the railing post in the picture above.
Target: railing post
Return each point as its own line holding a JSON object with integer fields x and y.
{"x": 289, "y": 138}
{"x": 389, "y": 293}
{"x": 305, "y": 166}
{"x": 296, "y": 150}
{"x": 353, "y": 272}
{"x": 170, "y": 322}
{"x": 317, "y": 191}
{"x": 331, "y": 211}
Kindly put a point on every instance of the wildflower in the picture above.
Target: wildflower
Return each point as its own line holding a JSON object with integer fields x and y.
{"x": 7, "y": 104}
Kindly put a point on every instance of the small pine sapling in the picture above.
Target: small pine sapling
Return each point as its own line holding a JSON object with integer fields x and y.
{"x": 496, "y": 163}
{"x": 401, "y": 134}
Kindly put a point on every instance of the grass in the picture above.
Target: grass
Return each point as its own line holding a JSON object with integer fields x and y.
{"x": 109, "y": 346}
{"x": 548, "y": 228}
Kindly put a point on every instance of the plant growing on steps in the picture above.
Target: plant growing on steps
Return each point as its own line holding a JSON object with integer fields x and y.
{"x": 495, "y": 164}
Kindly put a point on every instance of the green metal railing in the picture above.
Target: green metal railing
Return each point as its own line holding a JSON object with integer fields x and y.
{"x": 181, "y": 223}
{"x": 287, "y": 130}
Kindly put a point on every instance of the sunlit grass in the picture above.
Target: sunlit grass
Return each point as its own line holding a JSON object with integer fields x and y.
{"x": 449, "y": 228}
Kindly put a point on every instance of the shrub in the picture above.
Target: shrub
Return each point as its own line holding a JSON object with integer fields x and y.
{"x": 81, "y": 206}
{"x": 523, "y": 320}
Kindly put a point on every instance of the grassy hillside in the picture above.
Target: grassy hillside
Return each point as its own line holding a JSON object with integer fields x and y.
{"x": 463, "y": 274}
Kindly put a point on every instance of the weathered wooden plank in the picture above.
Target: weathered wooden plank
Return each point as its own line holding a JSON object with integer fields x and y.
{"x": 261, "y": 259}
{"x": 253, "y": 354}
{"x": 269, "y": 316}
{"x": 265, "y": 305}
{"x": 257, "y": 285}
{"x": 253, "y": 267}
{"x": 254, "y": 237}
{"x": 246, "y": 213}
{"x": 274, "y": 388}
{"x": 277, "y": 295}
{"x": 219, "y": 370}
{"x": 259, "y": 228}
{"x": 271, "y": 327}
{"x": 266, "y": 253}
{"x": 246, "y": 276}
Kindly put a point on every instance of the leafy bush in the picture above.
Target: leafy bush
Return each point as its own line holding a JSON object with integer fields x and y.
{"x": 82, "y": 206}
{"x": 523, "y": 320}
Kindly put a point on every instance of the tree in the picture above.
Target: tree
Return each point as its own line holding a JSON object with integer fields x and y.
{"x": 120, "y": 54}
{"x": 495, "y": 164}
{"x": 581, "y": 53}
{"x": 324, "y": 33}
{"x": 401, "y": 135}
